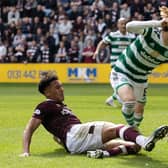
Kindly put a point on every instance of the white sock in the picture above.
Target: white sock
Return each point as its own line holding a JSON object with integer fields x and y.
{"x": 140, "y": 140}
{"x": 123, "y": 149}
{"x": 106, "y": 154}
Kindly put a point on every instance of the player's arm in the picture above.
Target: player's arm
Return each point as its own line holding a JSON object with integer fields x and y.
{"x": 100, "y": 46}
{"x": 32, "y": 125}
{"x": 57, "y": 140}
{"x": 139, "y": 26}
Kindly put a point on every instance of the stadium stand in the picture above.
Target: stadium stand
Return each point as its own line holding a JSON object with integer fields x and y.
{"x": 36, "y": 30}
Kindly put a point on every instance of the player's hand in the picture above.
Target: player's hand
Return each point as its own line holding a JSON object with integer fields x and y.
{"x": 25, "y": 154}
{"x": 95, "y": 55}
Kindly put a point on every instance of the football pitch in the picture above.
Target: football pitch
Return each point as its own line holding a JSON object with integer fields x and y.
{"x": 87, "y": 102}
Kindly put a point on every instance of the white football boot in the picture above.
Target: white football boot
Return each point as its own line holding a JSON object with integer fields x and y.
{"x": 95, "y": 154}
{"x": 109, "y": 101}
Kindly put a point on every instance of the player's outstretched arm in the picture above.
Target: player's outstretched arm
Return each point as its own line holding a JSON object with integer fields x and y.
{"x": 32, "y": 125}
{"x": 139, "y": 26}
{"x": 100, "y": 46}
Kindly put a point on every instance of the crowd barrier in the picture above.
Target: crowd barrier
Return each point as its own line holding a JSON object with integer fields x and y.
{"x": 69, "y": 73}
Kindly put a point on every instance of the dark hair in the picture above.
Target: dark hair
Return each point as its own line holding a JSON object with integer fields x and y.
{"x": 46, "y": 79}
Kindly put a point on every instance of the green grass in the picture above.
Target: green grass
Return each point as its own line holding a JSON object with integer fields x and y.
{"x": 87, "y": 102}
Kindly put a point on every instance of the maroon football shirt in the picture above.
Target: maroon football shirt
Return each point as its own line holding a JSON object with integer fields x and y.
{"x": 56, "y": 118}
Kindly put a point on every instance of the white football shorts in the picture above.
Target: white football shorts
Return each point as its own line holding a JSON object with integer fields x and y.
{"x": 118, "y": 79}
{"x": 84, "y": 137}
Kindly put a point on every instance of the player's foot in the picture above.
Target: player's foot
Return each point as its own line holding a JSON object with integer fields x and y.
{"x": 109, "y": 101}
{"x": 95, "y": 154}
{"x": 158, "y": 134}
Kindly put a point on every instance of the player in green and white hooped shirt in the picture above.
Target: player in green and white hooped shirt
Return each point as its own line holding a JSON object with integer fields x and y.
{"x": 117, "y": 41}
{"x": 130, "y": 73}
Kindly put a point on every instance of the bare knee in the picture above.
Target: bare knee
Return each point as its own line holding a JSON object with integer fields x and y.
{"x": 126, "y": 93}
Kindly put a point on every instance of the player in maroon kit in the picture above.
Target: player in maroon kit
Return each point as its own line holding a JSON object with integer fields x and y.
{"x": 99, "y": 139}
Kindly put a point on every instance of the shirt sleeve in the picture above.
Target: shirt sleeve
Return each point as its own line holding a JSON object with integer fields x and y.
{"x": 107, "y": 39}
{"x": 138, "y": 27}
{"x": 38, "y": 113}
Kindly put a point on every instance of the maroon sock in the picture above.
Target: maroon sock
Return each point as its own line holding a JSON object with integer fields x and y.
{"x": 130, "y": 134}
{"x": 114, "y": 151}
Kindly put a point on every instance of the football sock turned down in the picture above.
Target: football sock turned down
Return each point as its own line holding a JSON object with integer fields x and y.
{"x": 137, "y": 119}
{"x": 129, "y": 133}
{"x": 128, "y": 111}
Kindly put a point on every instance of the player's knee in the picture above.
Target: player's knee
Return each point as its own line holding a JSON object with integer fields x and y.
{"x": 128, "y": 97}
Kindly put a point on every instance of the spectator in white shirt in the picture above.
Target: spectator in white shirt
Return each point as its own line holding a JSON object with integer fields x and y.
{"x": 64, "y": 26}
{"x": 3, "y": 51}
{"x": 13, "y": 15}
{"x": 125, "y": 11}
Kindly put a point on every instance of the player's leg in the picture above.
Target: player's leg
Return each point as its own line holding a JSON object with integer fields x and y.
{"x": 110, "y": 100}
{"x": 148, "y": 143}
{"x": 111, "y": 145}
{"x": 138, "y": 114}
{"x": 113, "y": 148}
{"x": 140, "y": 91}
{"x": 129, "y": 133}
{"x": 111, "y": 131}
{"x": 123, "y": 89}
{"x": 113, "y": 101}
{"x": 126, "y": 94}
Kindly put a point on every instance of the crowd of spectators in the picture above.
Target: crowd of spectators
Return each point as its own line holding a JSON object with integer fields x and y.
{"x": 67, "y": 31}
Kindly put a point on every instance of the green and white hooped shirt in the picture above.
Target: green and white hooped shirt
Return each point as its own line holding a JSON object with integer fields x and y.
{"x": 142, "y": 56}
